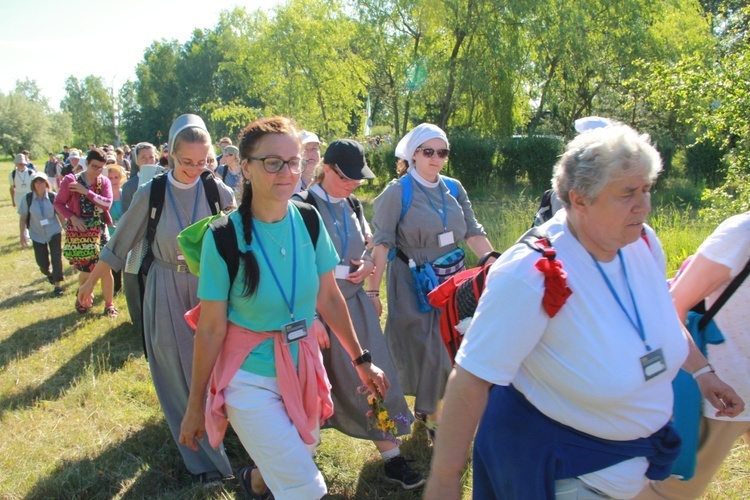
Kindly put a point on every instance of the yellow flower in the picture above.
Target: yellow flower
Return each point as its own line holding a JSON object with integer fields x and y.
{"x": 391, "y": 424}
{"x": 370, "y": 399}
{"x": 383, "y": 416}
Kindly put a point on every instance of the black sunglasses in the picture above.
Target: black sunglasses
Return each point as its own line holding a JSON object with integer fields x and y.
{"x": 428, "y": 152}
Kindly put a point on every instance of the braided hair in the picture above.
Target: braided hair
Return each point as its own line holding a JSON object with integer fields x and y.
{"x": 249, "y": 138}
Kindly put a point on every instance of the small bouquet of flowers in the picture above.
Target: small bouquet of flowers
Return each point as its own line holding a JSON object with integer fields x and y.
{"x": 379, "y": 418}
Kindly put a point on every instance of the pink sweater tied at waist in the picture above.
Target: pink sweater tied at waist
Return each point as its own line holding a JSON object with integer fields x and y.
{"x": 303, "y": 392}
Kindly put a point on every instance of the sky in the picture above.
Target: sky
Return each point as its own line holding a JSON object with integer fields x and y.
{"x": 50, "y": 40}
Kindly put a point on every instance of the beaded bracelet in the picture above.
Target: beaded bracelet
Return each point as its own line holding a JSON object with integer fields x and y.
{"x": 373, "y": 293}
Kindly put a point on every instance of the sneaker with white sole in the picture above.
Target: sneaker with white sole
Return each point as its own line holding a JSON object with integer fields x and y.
{"x": 398, "y": 471}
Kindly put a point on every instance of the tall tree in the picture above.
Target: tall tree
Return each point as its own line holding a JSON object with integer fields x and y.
{"x": 91, "y": 106}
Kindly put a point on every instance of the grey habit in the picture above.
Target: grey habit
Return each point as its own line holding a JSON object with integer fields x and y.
{"x": 349, "y": 406}
{"x": 414, "y": 340}
{"x": 169, "y": 294}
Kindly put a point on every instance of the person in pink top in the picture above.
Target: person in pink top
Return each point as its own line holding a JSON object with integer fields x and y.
{"x": 85, "y": 200}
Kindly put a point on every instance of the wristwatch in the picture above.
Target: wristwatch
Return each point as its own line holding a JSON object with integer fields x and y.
{"x": 366, "y": 357}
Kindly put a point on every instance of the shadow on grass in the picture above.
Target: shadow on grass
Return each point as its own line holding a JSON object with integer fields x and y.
{"x": 40, "y": 289}
{"x": 35, "y": 336}
{"x": 107, "y": 353}
{"x": 145, "y": 465}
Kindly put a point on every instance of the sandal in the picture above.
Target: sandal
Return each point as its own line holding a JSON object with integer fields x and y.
{"x": 245, "y": 478}
{"x": 81, "y": 308}
{"x": 111, "y": 311}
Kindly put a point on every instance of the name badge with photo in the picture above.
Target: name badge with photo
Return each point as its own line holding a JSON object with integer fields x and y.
{"x": 44, "y": 222}
{"x": 294, "y": 331}
{"x": 180, "y": 257}
{"x": 446, "y": 239}
{"x": 653, "y": 364}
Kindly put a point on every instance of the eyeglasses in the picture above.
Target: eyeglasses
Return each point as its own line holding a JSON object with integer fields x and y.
{"x": 428, "y": 152}
{"x": 190, "y": 164}
{"x": 274, "y": 164}
{"x": 344, "y": 178}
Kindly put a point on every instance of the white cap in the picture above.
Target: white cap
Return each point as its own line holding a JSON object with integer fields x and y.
{"x": 307, "y": 137}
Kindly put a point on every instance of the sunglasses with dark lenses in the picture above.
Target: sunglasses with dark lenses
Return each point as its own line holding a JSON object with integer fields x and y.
{"x": 428, "y": 152}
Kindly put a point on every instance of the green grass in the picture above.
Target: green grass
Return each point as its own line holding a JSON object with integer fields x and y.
{"x": 81, "y": 418}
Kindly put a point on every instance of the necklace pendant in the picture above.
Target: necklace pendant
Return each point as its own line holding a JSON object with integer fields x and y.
{"x": 283, "y": 252}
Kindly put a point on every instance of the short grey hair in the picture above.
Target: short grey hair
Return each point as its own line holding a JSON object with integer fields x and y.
{"x": 597, "y": 157}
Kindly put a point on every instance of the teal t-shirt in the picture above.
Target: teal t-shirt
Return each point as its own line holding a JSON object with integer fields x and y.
{"x": 266, "y": 309}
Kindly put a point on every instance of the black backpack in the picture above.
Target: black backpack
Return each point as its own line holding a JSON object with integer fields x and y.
{"x": 156, "y": 203}
{"x": 225, "y": 236}
{"x": 30, "y": 198}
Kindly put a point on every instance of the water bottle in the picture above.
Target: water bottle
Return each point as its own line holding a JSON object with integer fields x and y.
{"x": 420, "y": 286}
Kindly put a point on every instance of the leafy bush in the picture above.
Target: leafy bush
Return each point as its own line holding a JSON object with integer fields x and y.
{"x": 472, "y": 158}
{"x": 382, "y": 162}
{"x": 533, "y": 157}
{"x": 703, "y": 162}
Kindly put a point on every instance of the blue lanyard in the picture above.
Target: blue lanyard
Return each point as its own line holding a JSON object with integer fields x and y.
{"x": 177, "y": 212}
{"x": 344, "y": 239}
{"x": 289, "y": 304}
{"x": 639, "y": 325}
{"x": 442, "y": 213}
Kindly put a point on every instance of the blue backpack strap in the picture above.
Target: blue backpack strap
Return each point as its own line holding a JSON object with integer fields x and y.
{"x": 452, "y": 185}
{"x": 407, "y": 192}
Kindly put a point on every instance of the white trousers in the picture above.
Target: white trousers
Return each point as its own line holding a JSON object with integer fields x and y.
{"x": 258, "y": 416}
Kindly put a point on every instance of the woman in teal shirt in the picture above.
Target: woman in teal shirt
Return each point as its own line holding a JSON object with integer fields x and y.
{"x": 266, "y": 373}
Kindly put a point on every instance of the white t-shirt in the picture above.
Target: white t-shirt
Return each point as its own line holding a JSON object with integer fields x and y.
{"x": 582, "y": 367}
{"x": 729, "y": 245}
{"x": 21, "y": 183}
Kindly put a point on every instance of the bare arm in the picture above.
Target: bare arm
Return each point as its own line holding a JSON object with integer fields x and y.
{"x": 209, "y": 338}
{"x": 332, "y": 308}
{"x": 701, "y": 277}
{"x": 479, "y": 244}
{"x": 379, "y": 258}
{"x": 464, "y": 403}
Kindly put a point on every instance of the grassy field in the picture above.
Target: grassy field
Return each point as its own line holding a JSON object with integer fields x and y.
{"x": 80, "y": 414}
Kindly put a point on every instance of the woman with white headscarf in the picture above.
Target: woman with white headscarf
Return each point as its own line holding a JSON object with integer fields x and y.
{"x": 171, "y": 290}
{"x": 437, "y": 217}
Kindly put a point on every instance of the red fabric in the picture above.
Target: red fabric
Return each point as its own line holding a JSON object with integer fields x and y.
{"x": 306, "y": 391}
{"x": 556, "y": 291}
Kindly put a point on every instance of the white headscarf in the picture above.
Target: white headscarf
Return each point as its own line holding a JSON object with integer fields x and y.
{"x": 416, "y": 137}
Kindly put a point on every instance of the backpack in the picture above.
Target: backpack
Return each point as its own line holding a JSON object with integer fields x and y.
{"x": 354, "y": 203}
{"x": 30, "y": 198}
{"x": 407, "y": 193}
{"x": 457, "y": 297}
{"x": 190, "y": 239}
{"x": 544, "y": 212}
{"x": 156, "y": 203}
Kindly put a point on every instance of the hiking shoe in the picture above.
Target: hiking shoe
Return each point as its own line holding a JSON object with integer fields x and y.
{"x": 110, "y": 311}
{"x": 58, "y": 292}
{"x": 398, "y": 471}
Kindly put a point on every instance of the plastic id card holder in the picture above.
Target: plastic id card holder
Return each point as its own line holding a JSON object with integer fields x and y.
{"x": 446, "y": 239}
{"x": 653, "y": 364}
{"x": 294, "y": 331}
{"x": 341, "y": 272}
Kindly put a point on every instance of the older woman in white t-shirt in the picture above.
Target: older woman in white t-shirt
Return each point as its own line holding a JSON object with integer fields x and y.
{"x": 574, "y": 402}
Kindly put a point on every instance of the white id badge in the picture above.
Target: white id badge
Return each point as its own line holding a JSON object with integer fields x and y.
{"x": 44, "y": 222}
{"x": 180, "y": 257}
{"x": 445, "y": 239}
{"x": 294, "y": 331}
{"x": 341, "y": 272}
{"x": 653, "y": 364}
